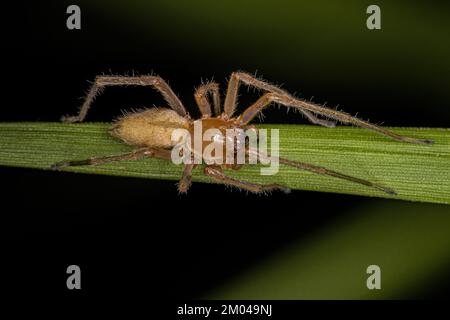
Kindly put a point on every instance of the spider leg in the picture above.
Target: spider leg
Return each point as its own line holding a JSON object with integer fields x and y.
{"x": 268, "y": 98}
{"x": 217, "y": 174}
{"x": 186, "y": 179}
{"x": 233, "y": 87}
{"x": 324, "y": 171}
{"x": 101, "y": 82}
{"x": 327, "y": 172}
{"x": 202, "y": 101}
{"x": 134, "y": 155}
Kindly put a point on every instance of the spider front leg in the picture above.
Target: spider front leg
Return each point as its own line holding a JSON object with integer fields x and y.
{"x": 268, "y": 98}
{"x": 232, "y": 92}
{"x": 323, "y": 171}
{"x": 217, "y": 174}
{"x": 201, "y": 97}
{"x": 101, "y": 82}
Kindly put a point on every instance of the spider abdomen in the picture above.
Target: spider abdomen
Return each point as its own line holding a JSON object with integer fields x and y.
{"x": 150, "y": 128}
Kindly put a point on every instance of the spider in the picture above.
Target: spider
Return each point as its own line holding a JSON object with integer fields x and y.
{"x": 150, "y": 130}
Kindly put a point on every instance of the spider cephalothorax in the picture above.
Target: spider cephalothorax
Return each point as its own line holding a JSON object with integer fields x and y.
{"x": 151, "y": 131}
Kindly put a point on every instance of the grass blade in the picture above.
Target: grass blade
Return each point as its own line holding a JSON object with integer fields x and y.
{"x": 415, "y": 172}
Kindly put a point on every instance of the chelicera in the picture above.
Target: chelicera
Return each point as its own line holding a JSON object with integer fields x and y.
{"x": 150, "y": 130}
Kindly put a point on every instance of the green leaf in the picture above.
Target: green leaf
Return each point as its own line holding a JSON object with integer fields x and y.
{"x": 415, "y": 172}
